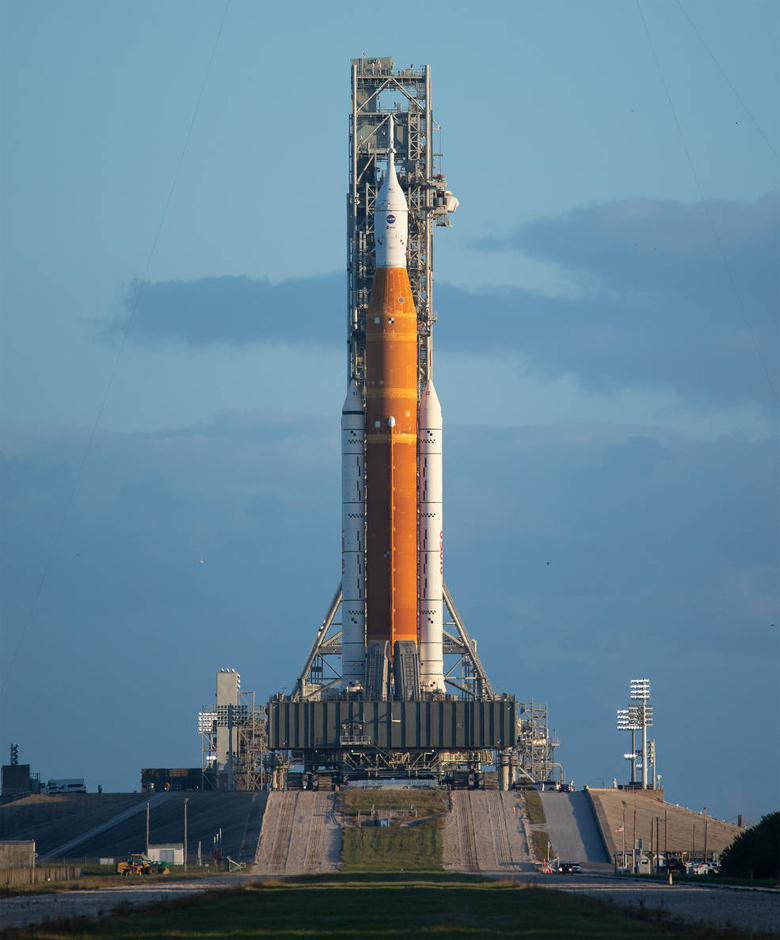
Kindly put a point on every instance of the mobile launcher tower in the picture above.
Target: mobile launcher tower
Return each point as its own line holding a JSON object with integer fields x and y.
{"x": 394, "y": 688}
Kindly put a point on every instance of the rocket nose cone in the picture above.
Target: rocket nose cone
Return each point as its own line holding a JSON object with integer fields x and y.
{"x": 430, "y": 407}
{"x": 354, "y": 400}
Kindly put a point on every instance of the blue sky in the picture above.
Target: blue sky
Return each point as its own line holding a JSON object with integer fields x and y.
{"x": 173, "y": 180}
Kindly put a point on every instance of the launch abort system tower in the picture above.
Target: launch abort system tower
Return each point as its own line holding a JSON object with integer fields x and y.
{"x": 393, "y": 685}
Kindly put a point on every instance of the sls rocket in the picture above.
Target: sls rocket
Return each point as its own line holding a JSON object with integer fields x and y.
{"x": 392, "y": 577}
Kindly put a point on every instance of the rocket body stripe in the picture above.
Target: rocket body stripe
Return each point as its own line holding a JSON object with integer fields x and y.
{"x": 431, "y": 548}
{"x": 353, "y": 602}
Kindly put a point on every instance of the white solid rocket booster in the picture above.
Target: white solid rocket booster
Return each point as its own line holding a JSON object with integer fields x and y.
{"x": 353, "y": 575}
{"x": 430, "y": 544}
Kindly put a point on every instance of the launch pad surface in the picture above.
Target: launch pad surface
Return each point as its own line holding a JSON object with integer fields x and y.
{"x": 347, "y": 724}
{"x": 352, "y": 740}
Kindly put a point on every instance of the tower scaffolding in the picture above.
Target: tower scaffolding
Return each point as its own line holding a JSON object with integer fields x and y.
{"x": 233, "y": 737}
{"x": 378, "y": 90}
{"x": 535, "y": 759}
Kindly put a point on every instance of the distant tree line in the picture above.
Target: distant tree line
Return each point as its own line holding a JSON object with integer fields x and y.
{"x": 756, "y": 852}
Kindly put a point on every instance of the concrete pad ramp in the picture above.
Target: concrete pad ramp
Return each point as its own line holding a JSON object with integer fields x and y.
{"x": 486, "y": 832}
{"x": 573, "y": 827}
{"x": 300, "y": 835}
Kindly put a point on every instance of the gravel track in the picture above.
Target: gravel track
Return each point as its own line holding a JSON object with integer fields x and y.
{"x": 745, "y": 908}
{"x": 486, "y": 833}
{"x": 34, "y": 908}
{"x": 459, "y": 849}
{"x": 300, "y": 835}
{"x": 483, "y": 834}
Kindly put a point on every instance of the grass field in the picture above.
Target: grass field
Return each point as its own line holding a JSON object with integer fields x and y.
{"x": 374, "y": 907}
{"x": 422, "y": 802}
{"x": 398, "y": 849}
{"x": 541, "y": 845}
{"x": 534, "y": 810}
{"x": 411, "y": 842}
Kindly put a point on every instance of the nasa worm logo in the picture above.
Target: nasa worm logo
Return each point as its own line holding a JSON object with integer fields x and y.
{"x": 390, "y": 219}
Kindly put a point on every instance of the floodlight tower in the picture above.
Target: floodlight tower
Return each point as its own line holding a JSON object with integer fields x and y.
{"x": 627, "y": 720}
{"x": 640, "y": 692}
{"x": 637, "y": 718}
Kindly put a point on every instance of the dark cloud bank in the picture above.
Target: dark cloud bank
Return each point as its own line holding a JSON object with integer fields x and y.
{"x": 662, "y": 562}
{"x": 662, "y": 556}
{"x": 687, "y": 297}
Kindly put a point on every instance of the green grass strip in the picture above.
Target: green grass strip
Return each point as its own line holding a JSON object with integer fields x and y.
{"x": 376, "y": 907}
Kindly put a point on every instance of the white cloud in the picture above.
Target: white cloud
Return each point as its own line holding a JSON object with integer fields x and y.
{"x": 502, "y": 390}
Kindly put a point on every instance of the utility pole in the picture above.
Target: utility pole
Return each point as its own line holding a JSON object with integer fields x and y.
{"x": 651, "y": 841}
{"x": 186, "y": 801}
{"x": 230, "y": 747}
{"x": 623, "y": 827}
{"x": 666, "y": 834}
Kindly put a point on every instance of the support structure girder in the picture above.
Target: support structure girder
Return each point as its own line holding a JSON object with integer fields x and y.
{"x": 466, "y": 676}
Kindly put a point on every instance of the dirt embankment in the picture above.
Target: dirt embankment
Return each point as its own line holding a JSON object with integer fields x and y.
{"x": 673, "y": 827}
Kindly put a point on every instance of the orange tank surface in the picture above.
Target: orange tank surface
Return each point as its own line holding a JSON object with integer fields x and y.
{"x": 391, "y": 459}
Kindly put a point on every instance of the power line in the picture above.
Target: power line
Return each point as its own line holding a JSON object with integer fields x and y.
{"x": 117, "y": 359}
{"x": 704, "y": 202}
{"x": 728, "y": 81}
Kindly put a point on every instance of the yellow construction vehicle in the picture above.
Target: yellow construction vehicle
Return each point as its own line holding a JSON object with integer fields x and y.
{"x": 138, "y": 864}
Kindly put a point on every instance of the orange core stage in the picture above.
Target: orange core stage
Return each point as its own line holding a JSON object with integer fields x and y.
{"x": 391, "y": 459}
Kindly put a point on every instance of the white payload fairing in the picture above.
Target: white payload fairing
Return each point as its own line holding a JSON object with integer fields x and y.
{"x": 392, "y": 562}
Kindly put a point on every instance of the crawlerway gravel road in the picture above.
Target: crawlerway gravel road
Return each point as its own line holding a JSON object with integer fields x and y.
{"x": 33, "y": 908}
{"x": 746, "y": 908}
{"x": 756, "y": 910}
